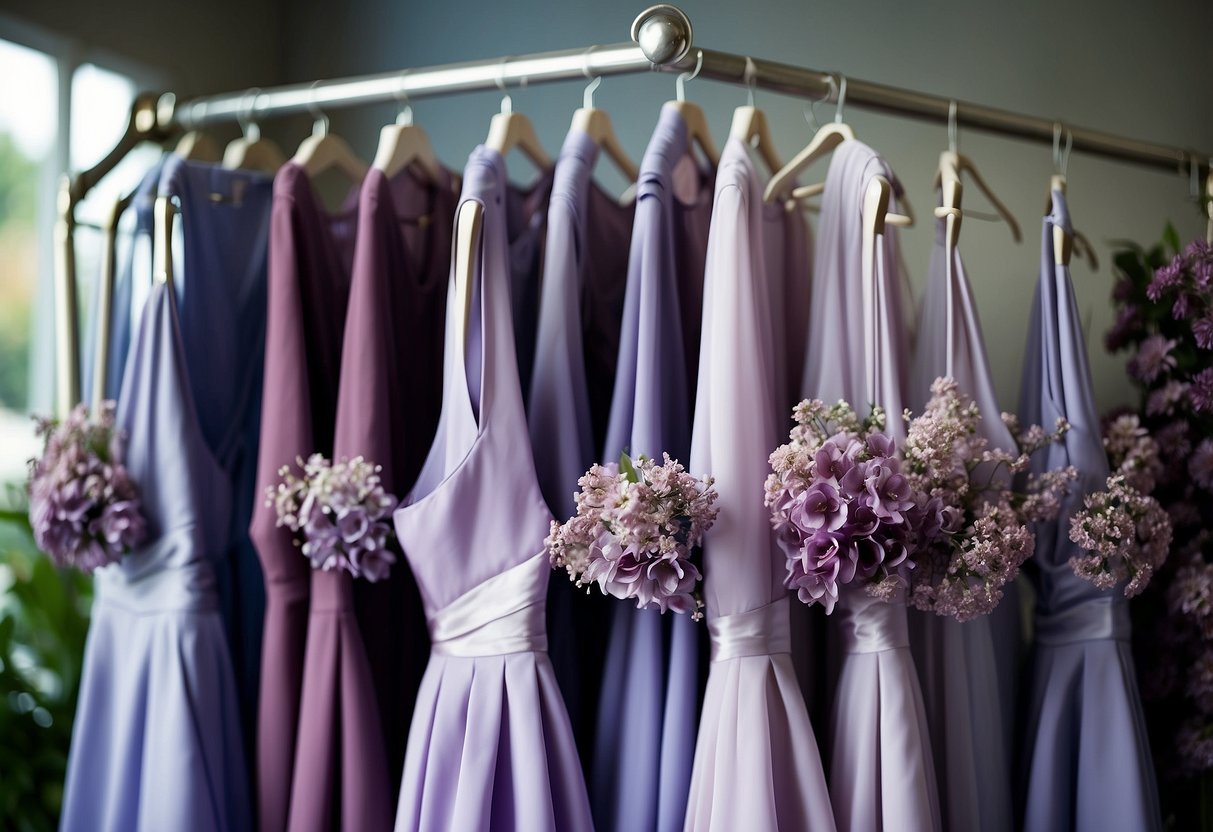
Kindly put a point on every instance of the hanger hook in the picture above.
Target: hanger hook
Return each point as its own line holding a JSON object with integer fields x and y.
{"x": 247, "y": 116}
{"x": 405, "y": 116}
{"x": 507, "y": 103}
{"x": 953, "y": 141}
{"x": 751, "y": 79}
{"x": 842, "y": 98}
{"x": 320, "y": 122}
{"x": 680, "y": 85}
{"x": 1061, "y": 157}
{"x": 810, "y": 107}
{"x": 587, "y": 97}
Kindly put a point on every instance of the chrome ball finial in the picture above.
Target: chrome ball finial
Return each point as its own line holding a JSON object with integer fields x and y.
{"x": 663, "y": 33}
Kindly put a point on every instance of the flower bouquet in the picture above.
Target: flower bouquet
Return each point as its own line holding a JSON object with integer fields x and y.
{"x": 340, "y": 514}
{"x": 636, "y": 524}
{"x": 84, "y": 507}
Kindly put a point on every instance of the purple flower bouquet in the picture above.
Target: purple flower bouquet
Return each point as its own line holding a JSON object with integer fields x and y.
{"x": 633, "y": 533}
{"x": 842, "y": 509}
{"x": 84, "y": 507}
{"x": 340, "y": 514}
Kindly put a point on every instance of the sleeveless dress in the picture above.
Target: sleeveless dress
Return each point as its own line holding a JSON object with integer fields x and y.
{"x": 308, "y": 286}
{"x": 1087, "y": 762}
{"x": 958, "y": 664}
{"x": 490, "y": 747}
{"x": 584, "y": 277}
{"x": 756, "y": 759}
{"x": 156, "y": 743}
{"x": 649, "y": 705}
{"x": 881, "y": 769}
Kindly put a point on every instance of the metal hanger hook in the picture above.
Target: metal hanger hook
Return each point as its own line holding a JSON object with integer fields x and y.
{"x": 842, "y": 98}
{"x": 507, "y": 103}
{"x": 810, "y": 107}
{"x": 751, "y": 79}
{"x": 320, "y": 122}
{"x": 587, "y": 97}
{"x": 680, "y": 84}
{"x": 953, "y": 141}
{"x": 405, "y": 115}
{"x": 247, "y": 117}
{"x": 1061, "y": 157}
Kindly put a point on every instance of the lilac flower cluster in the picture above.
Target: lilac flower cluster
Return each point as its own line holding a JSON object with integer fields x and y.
{"x": 842, "y": 509}
{"x": 1132, "y": 452}
{"x": 636, "y": 524}
{"x": 984, "y": 537}
{"x": 84, "y": 507}
{"x": 340, "y": 513}
{"x": 1127, "y": 536}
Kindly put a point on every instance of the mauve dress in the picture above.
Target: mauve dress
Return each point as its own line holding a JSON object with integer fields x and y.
{"x": 881, "y": 769}
{"x": 756, "y": 760}
{"x": 308, "y": 287}
{"x": 490, "y": 747}
{"x": 649, "y": 707}
{"x": 584, "y": 278}
{"x": 958, "y": 663}
{"x": 221, "y": 275}
{"x": 156, "y": 743}
{"x": 1087, "y": 764}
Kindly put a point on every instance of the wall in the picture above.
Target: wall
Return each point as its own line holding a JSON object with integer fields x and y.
{"x": 1141, "y": 69}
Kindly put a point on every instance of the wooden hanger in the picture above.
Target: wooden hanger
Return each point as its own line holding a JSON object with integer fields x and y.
{"x": 509, "y": 130}
{"x": 468, "y": 224}
{"x": 823, "y": 142}
{"x": 596, "y": 124}
{"x": 947, "y": 179}
{"x": 750, "y": 125}
{"x": 196, "y": 146}
{"x": 1075, "y": 242}
{"x": 323, "y": 150}
{"x": 105, "y": 302}
{"x": 251, "y": 151}
{"x": 405, "y": 145}
{"x": 692, "y": 115}
{"x": 163, "y": 212}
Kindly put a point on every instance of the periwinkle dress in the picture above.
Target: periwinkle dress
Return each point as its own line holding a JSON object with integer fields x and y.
{"x": 156, "y": 743}
{"x": 308, "y": 287}
{"x": 881, "y": 769}
{"x": 584, "y": 278}
{"x": 958, "y": 663}
{"x": 756, "y": 760}
{"x": 490, "y": 747}
{"x": 1087, "y": 758}
{"x": 648, "y": 710}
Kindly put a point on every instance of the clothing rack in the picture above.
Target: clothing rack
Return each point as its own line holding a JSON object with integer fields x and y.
{"x": 662, "y": 41}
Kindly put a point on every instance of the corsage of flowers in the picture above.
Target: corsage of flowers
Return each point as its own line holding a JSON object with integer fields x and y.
{"x": 636, "y": 524}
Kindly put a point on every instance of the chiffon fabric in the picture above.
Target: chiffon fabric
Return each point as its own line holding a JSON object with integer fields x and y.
{"x": 490, "y": 747}
{"x": 1087, "y": 758}
{"x": 156, "y": 743}
{"x": 220, "y": 273}
{"x": 584, "y": 277}
{"x": 756, "y": 760}
{"x": 308, "y": 288}
{"x": 881, "y": 769}
{"x": 650, "y": 693}
{"x": 957, "y": 663}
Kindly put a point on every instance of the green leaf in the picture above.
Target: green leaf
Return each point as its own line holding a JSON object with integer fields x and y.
{"x": 626, "y": 467}
{"x": 1171, "y": 238}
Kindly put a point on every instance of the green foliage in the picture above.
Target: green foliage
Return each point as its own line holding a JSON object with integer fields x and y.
{"x": 43, "y": 623}
{"x": 18, "y": 180}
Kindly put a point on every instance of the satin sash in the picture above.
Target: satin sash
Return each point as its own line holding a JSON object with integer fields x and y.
{"x": 505, "y": 614}
{"x": 764, "y": 631}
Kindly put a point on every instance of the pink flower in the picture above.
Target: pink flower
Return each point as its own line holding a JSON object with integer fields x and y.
{"x": 1153, "y": 358}
{"x": 1200, "y": 465}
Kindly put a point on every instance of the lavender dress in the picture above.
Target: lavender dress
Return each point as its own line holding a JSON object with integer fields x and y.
{"x": 957, "y": 663}
{"x": 156, "y": 743}
{"x": 309, "y": 266}
{"x": 881, "y": 769}
{"x": 490, "y": 747}
{"x": 650, "y": 694}
{"x": 584, "y": 277}
{"x": 756, "y": 760}
{"x": 1087, "y": 758}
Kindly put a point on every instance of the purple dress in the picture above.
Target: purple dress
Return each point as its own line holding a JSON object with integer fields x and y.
{"x": 308, "y": 286}
{"x": 881, "y": 769}
{"x": 490, "y": 747}
{"x": 156, "y": 743}
{"x": 1087, "y": 759}
{"x": 649, "y": 705}
{"x": 584, "y": 276}
{"x": 957, "y": 663}
{"x": 756, "y": 760}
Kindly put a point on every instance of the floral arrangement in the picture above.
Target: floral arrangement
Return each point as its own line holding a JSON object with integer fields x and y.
{"x": 636, "y": 524}
{"x": 84, "y": 507}
{"x": 1164, "y": 300}
{"x": 842, "y": 509}
{"x": 340, "y": 513}
{"x": 978, "y": 531}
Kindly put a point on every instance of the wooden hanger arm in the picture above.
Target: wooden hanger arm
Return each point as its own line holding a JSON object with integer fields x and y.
{"x": 596, "y": 124}
{"x": 404, "y": 145}
{"x": 697, "y": 129}
{"x": 318, "y": 153}
{"x": 825, "y": 140}
{"x": 751, "y": 128}
{"x": 260, "y": 154}
{"x": 468, "y": 224}
{"x": 514, "y": 130}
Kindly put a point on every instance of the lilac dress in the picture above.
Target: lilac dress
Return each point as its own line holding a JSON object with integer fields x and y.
{"x": 1087, "y": 758}
{"x": 490, "y": 747}
{"x": 649, "y": 706}
{"x": 308, "y": 287}
{"x": 881, "y": 769}
{"x": 156, "y": 743}
{"x": 584, "y": 277}
{"x": 957, "y": 663}
{"x": 756, "y": 760}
